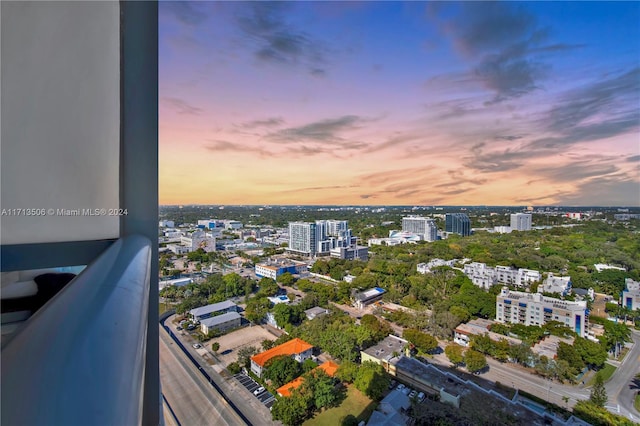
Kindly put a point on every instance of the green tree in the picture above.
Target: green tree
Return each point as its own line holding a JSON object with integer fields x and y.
{"x": 423, "y": 341}
{"x": 454, "y": 353}
{"x": 245, "y": 354}
{"x": 474, "y": 360}
{"x": 521, "y": 353}
{"x": 308, "y": 365}
{"x": 347, "y": 371}
{"x": 234, "y": 368}
{"x": 592, "y": 353}
{"x": 267, "y": 287}
{"x": 267, "y": 344}
{"x": 321, "y": 387}
{"x": 501, "y": 350}
{"x": 290, "y": 411}
{"x": 286, "y": 279}
{"x": 371, "y": 380}
{"x": 482, "y": 343}
{"x": 378, "y": 329}
{"x": 281, "y": 369}
{"x": 349, "y": 420}
{"x": 215, "y": 346}
{"x": 257, "y": 309}
{"x": 598, "y": 394}
{"x": 598, "y": 416}
{"x": 569, "y": 354}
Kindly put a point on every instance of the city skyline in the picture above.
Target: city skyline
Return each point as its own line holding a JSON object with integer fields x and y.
{"x": 390, "y": 103}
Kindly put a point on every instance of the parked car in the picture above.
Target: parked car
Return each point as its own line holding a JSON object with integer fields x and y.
{"x": 400, "y": 387}
{"x": 421, "y": 396}
{"x": 178, "y": 328}
{"x": 413, "y": 393}
{"x": 191, "y": 327}
{"x": 258, "y": 391}
{"x": 196, "y": 346}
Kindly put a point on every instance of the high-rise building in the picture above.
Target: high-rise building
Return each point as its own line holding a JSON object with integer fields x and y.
{"x": 303, "y": 238}
{"x": 421, "y": 226}
{"x": 521, "y": 221}
{"x": 458, "y": 223}
{"x": 319, "y": 237}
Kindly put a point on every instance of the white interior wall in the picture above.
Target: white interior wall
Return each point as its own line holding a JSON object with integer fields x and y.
{"x": 59, "y": 147}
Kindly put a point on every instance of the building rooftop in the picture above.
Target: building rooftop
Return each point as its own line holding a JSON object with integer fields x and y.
{"x": 539, "y": 298}
{"x": 481, "y": 326}
{"x": 316, "y": 310}
{"x": 549, "y": 346}
{"x": 328, "y": 367}
{"x": 390, "y": 410}
{"x": 220, "y": 319}
{"x": 369, "y": 294}
{"x": 292, "y": 347}
{"x": 430, "y": 375}
{"x": 215, "y": 307}
{"x": 386, "y": 348}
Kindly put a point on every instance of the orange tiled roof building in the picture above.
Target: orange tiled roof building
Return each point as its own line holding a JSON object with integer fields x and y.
{"x": 329, "y": 367}
{"x": 298, "y": 349}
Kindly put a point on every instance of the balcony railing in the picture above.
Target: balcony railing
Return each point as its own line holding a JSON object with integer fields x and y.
{"x": 80, "y": 360}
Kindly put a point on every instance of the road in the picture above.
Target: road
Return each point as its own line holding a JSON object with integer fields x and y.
{"x": 191, "y": 397}
{"x": 254, "y": 411}
{"x": 619, "y": 387}
{"x": 512, "y": 376}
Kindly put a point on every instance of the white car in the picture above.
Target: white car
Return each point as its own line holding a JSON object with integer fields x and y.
{"x": 196, "y": 346}
{"x": 413, "y": 393}
{"x": 258, "y": 391}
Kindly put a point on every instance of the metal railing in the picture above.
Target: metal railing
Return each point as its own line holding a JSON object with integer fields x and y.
{"x": 80, "y": 360}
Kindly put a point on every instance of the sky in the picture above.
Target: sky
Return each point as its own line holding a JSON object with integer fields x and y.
{"x": 400, "y": 103}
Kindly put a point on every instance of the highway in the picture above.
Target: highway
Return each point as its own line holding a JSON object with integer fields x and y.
{"x": 191, "y": 397}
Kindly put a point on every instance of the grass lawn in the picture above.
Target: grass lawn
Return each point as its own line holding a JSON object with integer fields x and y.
{"x": 606, "y": 373}
{"x": 636, "y": 403}
{"x": 355, "y": 403}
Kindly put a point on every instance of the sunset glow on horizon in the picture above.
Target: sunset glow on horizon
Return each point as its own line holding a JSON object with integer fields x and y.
{"x": 393, "y": 103}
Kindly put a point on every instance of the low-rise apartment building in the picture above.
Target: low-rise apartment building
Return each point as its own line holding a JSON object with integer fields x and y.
{"x": 553, "y": 284}
{"x": 298, "y": 349}
{"x": 631, "y": 294}
{"x": 223, "y": 322}
{"x": 518, "y": 307}
{"x": 274, "y": 268}
{"x": 208, "y": 311}
{"x": 463, "y": 333}
{"x": 486, "y": 276}
{"x": 365, "y": 298}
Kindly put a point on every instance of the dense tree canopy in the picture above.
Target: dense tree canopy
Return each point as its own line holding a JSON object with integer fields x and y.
{"x": 281, "y": 369}
{"x": 474, "y": 360}
{"x": 371, "y": 380}
{"x": 454, "y": 353}
{"x": 422, "y": 341}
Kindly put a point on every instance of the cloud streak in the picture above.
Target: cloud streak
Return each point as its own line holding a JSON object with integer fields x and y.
{"x": 276, "y": 41}
{"x": 505, "y": 44}
{"x": 181, "y": 106}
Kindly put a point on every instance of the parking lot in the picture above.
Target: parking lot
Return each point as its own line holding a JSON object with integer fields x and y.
{"x": 251, "y": 385}
{"x": 232, "y": 342}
